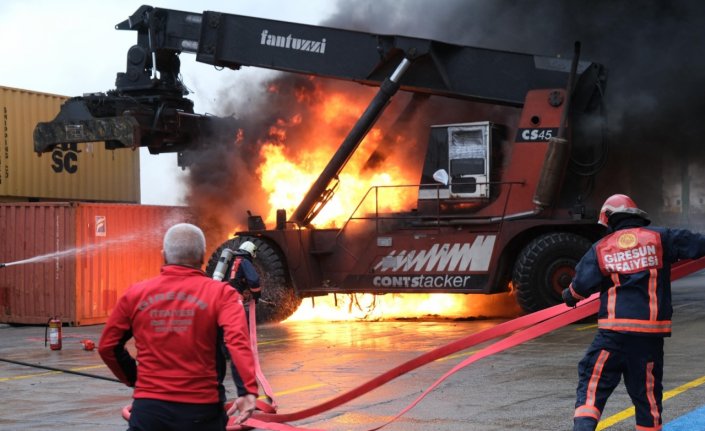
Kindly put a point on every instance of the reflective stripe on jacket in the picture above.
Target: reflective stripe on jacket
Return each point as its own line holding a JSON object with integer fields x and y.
{"x": 631, "y": 267}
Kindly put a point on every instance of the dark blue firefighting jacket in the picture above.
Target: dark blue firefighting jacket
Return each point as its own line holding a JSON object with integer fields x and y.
{"x": 631, "y": 268}
{"x": 243, "y": 274}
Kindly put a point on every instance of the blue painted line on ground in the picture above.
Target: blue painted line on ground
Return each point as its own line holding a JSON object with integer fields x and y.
{"x": 692, "y": 421}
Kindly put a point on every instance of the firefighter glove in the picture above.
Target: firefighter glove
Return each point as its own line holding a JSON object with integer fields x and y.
{"x": 568, "y": 298}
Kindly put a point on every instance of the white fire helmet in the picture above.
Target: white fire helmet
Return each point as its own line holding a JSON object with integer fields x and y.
{"x": 249, "y": 247}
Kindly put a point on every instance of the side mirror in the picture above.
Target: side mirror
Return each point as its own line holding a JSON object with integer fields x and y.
{"x": 441, "y": 176}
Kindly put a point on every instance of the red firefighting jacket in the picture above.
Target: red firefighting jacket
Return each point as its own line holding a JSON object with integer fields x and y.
{"x": 175, "y": 320}
{"x": 631, "y": 267}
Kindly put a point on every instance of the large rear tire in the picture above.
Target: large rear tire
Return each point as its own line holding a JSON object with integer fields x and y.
{"x": 279, "y": 300}
{"x": 545, "y": 267}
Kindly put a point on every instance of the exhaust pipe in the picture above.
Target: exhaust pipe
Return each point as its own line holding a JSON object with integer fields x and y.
{"x": 552, "y": 172}
{"x": 558, "y": 149}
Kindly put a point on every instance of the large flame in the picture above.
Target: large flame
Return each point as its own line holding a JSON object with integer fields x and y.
{"x": 286, "y": 175}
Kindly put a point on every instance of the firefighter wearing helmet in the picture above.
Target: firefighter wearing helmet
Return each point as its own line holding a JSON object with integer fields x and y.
{"x": 620, "y": 206}
{"x": 631, "y": 268}
{"x": 244, "y": 277}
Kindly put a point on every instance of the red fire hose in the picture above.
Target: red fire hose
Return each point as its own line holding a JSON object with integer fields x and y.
{"x": 272, "y": 406}
{"x": 527, "y": 328}
{"x": 537, "y": 324}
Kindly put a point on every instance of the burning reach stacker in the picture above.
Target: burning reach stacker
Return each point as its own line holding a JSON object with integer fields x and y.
{"x": 500, "y": 203}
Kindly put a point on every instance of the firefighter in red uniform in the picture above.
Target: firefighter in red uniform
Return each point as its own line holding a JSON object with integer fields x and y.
{"x": 631, "y": 268}
{"x": 178, "y": 320}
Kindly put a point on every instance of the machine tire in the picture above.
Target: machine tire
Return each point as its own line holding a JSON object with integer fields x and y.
{"x": 545, "y": 267}
{"x": 279, "y": 300}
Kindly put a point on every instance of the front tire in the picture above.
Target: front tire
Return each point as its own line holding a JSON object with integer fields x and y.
{"x": 279, "y": 300}
{"x": 545, "y": 267}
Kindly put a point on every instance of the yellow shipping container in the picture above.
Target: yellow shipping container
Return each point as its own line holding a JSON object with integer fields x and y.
{"x": 71, "y": 172}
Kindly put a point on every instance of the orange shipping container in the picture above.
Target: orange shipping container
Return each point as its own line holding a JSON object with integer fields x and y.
{"x": 70, "y": 172}
{"x": 82, "y": 257}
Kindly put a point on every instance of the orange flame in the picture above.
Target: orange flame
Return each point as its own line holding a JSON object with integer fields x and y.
{"x": 286, "y": 177}
{"x": 396, "y": 306}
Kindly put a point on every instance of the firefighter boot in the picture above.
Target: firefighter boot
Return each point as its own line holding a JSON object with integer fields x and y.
{"x": 584, "y": 424}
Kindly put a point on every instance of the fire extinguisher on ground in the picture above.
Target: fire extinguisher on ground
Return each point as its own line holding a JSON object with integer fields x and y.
{"x": 53, "y": 333}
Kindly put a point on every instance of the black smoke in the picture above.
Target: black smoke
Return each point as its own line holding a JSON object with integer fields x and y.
{"x": 223, "y": 181}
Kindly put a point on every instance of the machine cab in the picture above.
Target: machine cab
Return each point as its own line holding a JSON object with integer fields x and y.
{"x": 469, "y": 148}
{"x": 459, "y": 157}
